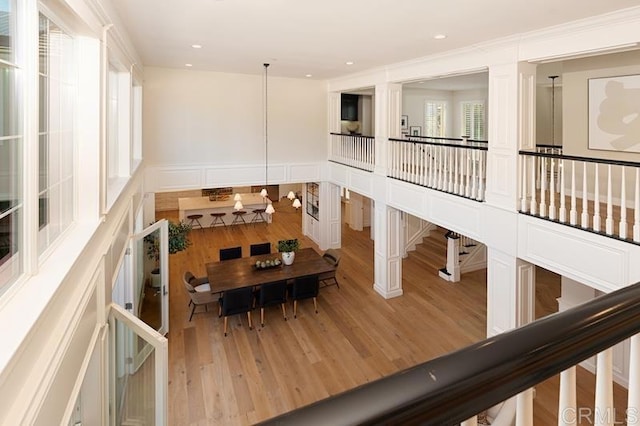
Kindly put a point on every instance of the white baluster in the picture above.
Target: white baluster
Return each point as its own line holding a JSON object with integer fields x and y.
{"x": 440, "y": 167}
{"x": 524, "y": 408}
{"x": 523, "y": 183}
{"x": 452, "y": 153}
{"x": 623, "y": 204}
{"x": 604, "y": 411}
{"x": 596, "y": 200}
{"x": 483, "y": 161}
{"x": 563, "y": 207}
{"x": 533, "y": 172}
{"x": 609, "y": 221}
{"x": 636, "y": 208}
{"x": 543, "y": 188}
{"x": 633, "y": 395}
{"x": 552, "y": 186}
{"x": 585, "y": 214}
{"x": 467, "y": 190}
{"x": 567, "y": 405}
{"x": 573, "y": 213}
{"x": 474, "y": 177}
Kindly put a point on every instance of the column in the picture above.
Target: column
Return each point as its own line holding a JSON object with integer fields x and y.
{"x": 388, "y": 108}
{"x": 511, "y": 292}
{"x": 329, "y": 216}
{"x": 356, "y": 220}
{"x": 387, "y": 253}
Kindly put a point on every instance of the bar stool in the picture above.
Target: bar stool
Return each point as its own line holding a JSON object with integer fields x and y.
{"x": 217, "y": 218}
{"x": 258, "y": 216}
{"x": 195, "y": 218}
{"x": 238, "y": 217}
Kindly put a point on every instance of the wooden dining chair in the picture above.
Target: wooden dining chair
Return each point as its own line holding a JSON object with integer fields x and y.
{"x": 198, "y": 297}
{"x": 332, "y": 256}
{"x": 236, "y": 301}
{"x": 261, "y": 248}
{"x": 231, "y": 253}
{"x": 270, "y": 294}
{"x": 305, "y": 288}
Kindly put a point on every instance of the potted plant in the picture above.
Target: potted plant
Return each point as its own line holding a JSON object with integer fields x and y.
{"x": 288, "y": 249}
{"x": 178, "y": 241}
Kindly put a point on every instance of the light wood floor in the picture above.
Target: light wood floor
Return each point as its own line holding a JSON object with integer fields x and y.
{"x": 357, "y": 336}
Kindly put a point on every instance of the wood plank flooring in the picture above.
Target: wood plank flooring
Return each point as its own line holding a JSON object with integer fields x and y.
{"x": 357, "y": 336}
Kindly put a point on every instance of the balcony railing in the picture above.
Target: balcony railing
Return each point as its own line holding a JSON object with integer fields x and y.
{"x": 456, "y": 166}
{"x": 353, "y": 150}
{"x": 601, "y": 196}
{"x": 453, "y": 388}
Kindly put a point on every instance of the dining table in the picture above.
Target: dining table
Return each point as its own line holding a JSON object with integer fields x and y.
{"x": 242, "y": 272}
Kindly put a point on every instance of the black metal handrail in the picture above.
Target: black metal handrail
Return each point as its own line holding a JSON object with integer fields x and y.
{"x": 455, "y": 387}
{"x": 453, "y": 145}
{"x": 576, "y": 158}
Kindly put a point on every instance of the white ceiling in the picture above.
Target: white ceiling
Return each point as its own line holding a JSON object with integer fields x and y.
{"x": 300, "y": 37}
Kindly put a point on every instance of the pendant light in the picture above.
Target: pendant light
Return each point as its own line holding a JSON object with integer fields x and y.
{"x": 269, "y": 206}
{"x": 238, "y": 199}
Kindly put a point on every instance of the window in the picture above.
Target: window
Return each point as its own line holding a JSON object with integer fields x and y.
{"x": 473, "y": 120}
{"x": 119, "y": 133}
{"x": 57, "y": 93}
{"x": 11, "y": 149}
{"x": 434, "y": 119}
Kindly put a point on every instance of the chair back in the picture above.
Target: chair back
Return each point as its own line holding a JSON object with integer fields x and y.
{"x": 305, "y": 287}
{"x": 186, "y": 278}
{"x": 272, "y": 293}
{"x": 261, "y": 248}
{"x": 231, "y": 253}
{"x": 332, "y": 256}
{"x": 237, "y": 301}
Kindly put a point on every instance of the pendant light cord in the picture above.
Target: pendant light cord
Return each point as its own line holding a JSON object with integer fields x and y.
{"x": 266, "y": 139}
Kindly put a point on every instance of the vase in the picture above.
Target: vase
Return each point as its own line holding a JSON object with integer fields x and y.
{"x": 288, "y": 256}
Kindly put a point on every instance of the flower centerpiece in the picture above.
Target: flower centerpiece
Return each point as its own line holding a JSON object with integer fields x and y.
{"x": 288, "y": 249}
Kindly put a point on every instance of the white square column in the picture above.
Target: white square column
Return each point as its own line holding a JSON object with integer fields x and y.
{"x": 330, "y": 216}
{"x": 510, "y": 281}
{"x": 388, "y": 109}
{"x": 387, "y": 251}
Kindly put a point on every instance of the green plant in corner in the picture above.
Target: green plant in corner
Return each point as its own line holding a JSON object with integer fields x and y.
{"x": 287, "y": 246}
{"x": 178, "y": 240}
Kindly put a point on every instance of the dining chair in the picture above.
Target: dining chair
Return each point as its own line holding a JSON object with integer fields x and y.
{"x": 260, "y": 248}
{"x": 198, "y": 295}
{"x": 236, "y": 301}
{"x": 333, "y": 257}
{"x": 231, "y": 253}
{"x": 305, "y": 288}
{"x": 270, "y": 294}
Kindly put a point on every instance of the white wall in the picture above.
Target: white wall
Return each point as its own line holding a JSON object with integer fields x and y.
{"x": 575, "y": 132}
{"x": 195, "y": 117}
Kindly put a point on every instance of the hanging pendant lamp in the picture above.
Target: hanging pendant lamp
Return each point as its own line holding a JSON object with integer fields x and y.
{"x": 268, "y": 206}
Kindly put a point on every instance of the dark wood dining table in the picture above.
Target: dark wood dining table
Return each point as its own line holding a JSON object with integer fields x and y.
{"x": 236, "y": 273}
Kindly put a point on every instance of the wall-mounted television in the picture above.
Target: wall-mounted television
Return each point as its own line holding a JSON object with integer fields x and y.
{"x": 349, "y": 107}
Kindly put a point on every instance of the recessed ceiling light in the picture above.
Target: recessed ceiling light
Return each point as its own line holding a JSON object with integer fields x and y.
{"x": 188, "y": 65}
{"x": 439, "y": 36}
{"x": 349, "y": 62}
{"x": 196, "y": 46}
{"x": 308, "y": 75}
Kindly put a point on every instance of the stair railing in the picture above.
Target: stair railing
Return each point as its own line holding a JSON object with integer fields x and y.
{"x": 455, "y": 387}
{"x": 456, "y": 166}
{"x": 578, "y": 191}
{"x": 353, "y": 150}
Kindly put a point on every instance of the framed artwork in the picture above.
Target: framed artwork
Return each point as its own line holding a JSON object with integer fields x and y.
{"x": 614, "y": 113}
{"x": 415, "y": 131}
{"x": 404, "y": 122}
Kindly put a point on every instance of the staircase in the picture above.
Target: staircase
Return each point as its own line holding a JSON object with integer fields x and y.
{"x": 432, "y": 254}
